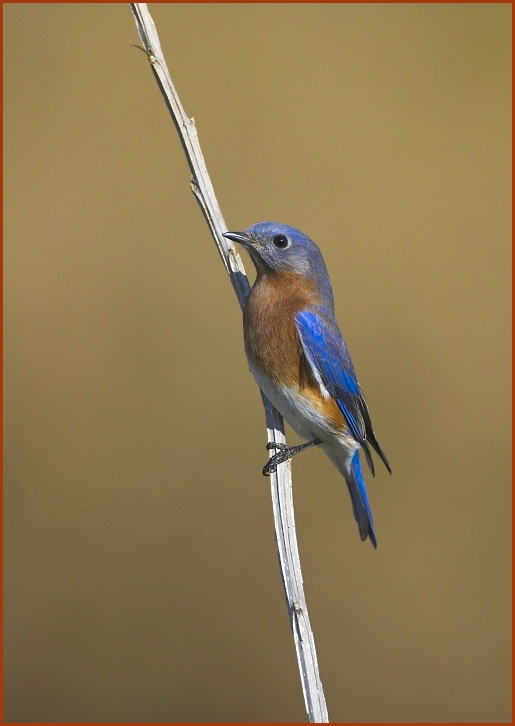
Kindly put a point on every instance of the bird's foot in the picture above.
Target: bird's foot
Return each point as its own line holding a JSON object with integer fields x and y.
{"x": 275, "y": 445}
{"x": 284, "y": 454}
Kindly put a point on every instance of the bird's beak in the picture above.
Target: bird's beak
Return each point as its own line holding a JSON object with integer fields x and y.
{"x": 238, "y": 237}
{"x": 253, "y": 246}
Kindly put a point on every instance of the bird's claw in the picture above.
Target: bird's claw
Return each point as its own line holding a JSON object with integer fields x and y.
{"x": 276, "y": 445}
{"x": 284, "y": 454}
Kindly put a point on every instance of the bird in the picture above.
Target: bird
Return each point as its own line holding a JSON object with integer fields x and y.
{"x": 299, "y": 359}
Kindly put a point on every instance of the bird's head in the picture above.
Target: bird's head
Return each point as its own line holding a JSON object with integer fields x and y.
{"x": 277, "y": 248}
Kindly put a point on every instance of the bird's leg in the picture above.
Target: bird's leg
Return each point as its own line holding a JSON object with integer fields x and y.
{"x": 285, "y": 452}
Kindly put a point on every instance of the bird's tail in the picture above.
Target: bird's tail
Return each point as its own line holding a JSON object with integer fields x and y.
{"x": 360, "y": 505}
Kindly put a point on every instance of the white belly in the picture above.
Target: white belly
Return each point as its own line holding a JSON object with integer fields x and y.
{"x": 307, "y": 421}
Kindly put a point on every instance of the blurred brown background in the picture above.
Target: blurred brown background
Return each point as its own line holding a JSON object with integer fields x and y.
{"x": 141, "y": 578}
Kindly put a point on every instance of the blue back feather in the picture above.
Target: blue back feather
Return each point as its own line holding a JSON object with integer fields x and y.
{"x": 327, "y": 352}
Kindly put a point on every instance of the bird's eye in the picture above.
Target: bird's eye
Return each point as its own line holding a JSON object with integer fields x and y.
{"x": 281, "y": 241}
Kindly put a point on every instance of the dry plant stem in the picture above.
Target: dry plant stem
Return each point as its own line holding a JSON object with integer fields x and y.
{"x": 280, "y": 480}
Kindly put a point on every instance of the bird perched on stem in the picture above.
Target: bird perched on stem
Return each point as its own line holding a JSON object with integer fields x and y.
{"x": 299, "y": 359}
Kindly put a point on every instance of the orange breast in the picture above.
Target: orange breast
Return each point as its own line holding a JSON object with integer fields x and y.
{"x": 271, "y": 339}
{"x": 272, "y": 342}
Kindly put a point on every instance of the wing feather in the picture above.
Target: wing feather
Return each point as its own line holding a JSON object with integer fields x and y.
{"x": 327, "y": 354}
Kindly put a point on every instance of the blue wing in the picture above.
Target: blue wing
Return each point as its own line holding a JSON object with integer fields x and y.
{"x": 330, "y": 361}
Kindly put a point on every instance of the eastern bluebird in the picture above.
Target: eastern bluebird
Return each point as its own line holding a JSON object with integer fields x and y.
{"x": 299, "y": 359}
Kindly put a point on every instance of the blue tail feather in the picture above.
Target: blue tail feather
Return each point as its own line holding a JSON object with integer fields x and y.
{"x": 360, "y": 505}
